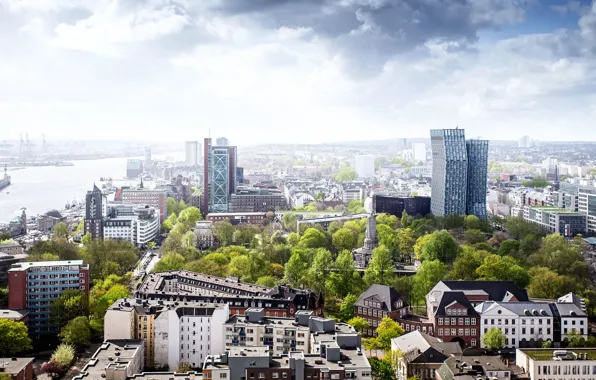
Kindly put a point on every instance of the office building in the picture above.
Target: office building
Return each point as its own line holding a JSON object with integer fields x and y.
{"x": 419, "y": 152}
{"x": 557, "y": 364}
{"x": 254, "y": 329}
{"x": 33, "y": 287}
{"x": 17, "y": 368}
{"x": 144, "y": 197}
{"x": 138, "y": 227}
{"x": 556, "y": 220}
{"x": 477, "y": 151}
{"x": 134, "y": 168}
{"x": 117, "y": 359}
{"x": 279, "y": 301}
{"x": 459, "y": 174}
{"x": 364, "y": 165}
{"x": 222, "y": 141}
{"x": 219, "y": 176}
{"x": 193, "y": 153}
{"x": 414, "y": 206}
{"x": 96, "y": 210}
{"x": 422, "y": 354}
{"x": 173, "y": 331}
{"x": 248, "y": 199}
{"x": 587, "y": 206}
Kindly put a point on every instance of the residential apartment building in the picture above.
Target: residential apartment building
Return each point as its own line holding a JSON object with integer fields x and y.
{"x": 219, "y": 176}
{"x": 281, "y": 334}
{"x": 145, "y": 197}
{"x": 422, "y": 355}
{"x": 279, "y": 301}
{"x": 556, "y": 220}
{"x": 554, "y": 364}
{"x": 117, "y": 359}
{"x": 173, "y": 332}
{"x": 528, "y": 324}
{"x": 238, "y": 217}
{"x": 96, "y": 210}
{"x": 378, "y": 302}
{"x": 257, "y": 200}
{"x": 33, "y": 287}
{"x": 459, "y": 174}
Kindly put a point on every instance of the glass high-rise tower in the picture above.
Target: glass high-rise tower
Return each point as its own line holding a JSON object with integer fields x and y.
{"x": 219, "y": 177}
{"x": 459, "y": 173}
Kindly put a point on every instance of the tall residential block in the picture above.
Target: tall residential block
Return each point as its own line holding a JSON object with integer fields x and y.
{"x": 364, "y": 165}
{"x": 219, "y": 176}
{"x": 459, "y": 174}
{"x": 193, "y": 153}
{"x": 96, "y": 205}
{"x": 34, "y": 286}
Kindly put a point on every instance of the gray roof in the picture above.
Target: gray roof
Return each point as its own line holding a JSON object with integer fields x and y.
{"x": 570, "y": 310}
{"x": 496, "y": 290}
{"x": 520, "y": 308}
{"x": 416, "y": 343}
{"x": 386, "y": 294}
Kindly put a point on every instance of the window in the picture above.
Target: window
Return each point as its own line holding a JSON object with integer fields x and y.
{"x": 440, "y": 331}
{"x": 440, "y": 321}
{"x": 473, "y": 343}
{"x": 275, "y": 375}
{"x": 224, "y": 376}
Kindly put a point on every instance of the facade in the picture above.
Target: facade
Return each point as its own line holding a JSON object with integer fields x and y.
{"x": 134, "y": 168}
{"x": 238, "y": 217}
{"x": 549, "y": 364}
{"x": 96, "y": 210}
{"x": 416, "y": 205}
{"x": 478, "y": 291}
{"x": 138, "y": 227}
{"x": 18, "y": 368}
{"x": 459, "y": 174}
{"x": 419, "y": 152}
{"x": 6, "y": 261}
{"x": 219, "y": 176}
{"x": 115, "y": 360}
{"x": 378, "y": 302}
{"x": 145, "y": 197}
{"x": 556, "y": 220}
{"x": 11, "y": 249}
{"x": 281, "y": 334}
{"x": 456, "y": 320}
{"x": 49, "y": 220}
{"x": 173, "y": 332}
{"x": 257, "y": 200}
{"x": 422, "y": 355}
{"x": 205, "y": 235}
{"x": 587, "y": 206}
{"x": 363, "y": 255}
{"x": 33, "y": 287}
{"x": 193, "y": 153}
{"x": 279, "y": 301}
{"x": 477, "y": 151}
{"x": 364, "y": 165}
{"x": 352, "y": 194}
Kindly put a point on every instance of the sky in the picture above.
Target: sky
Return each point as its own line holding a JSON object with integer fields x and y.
{"x": 303, "y": 71}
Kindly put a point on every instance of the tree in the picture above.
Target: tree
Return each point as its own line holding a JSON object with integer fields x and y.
{"x": 223, "y": 231}
{"x": 70, "y": 304}
{"x": 173, "y": 207}
{"x": 297, "y": 267}
{"x": 190, "y": 216}
{"x": 87, "y": 239}
{"x": 474, "y": 236}
{"x": 346, "y": 310}
{"x": 429, "y": 273}
{"x": 439, "y": 245}
{"x": 319, "y": 270}
{"x": 464, "y": 267}
{"x": 472, "y": 222}
{"x": 517, "y": 227}
{"x": 53, "y": 369}
{"x": 171, "y": 261}
{"x": 359, "y": 324}
{"x": 388, "y": 329}
{"x": 388, "y": 238}
{"x": 293, "y": 239}
{"x": 537, "y": 182}
{"x": 560, "y": 255}
{"x": 344, "y": 279}
{"x": 183, "y": 367}
{"x": 406, "y": 242}
{"x": 508, "y": 248}
{"x": 313, "y": 238}
{"x": 380, "y": 269}
{"x": 103, "y": 295}
{"x": 381, "y": 369}
{"x": 63, "y": 355}
{"x": 77, "y": 332}
{"x": 545, "y": 283}
{"x": 495, "y": 267}
{"x": 346, "y": 173}
{"x": 14, "y": 338}
{"x": 494, "y": 339}
{"x": 388, "y": 220}
{"x": 107, "y": 257}
{"x": 343, "y": 239}
{"x": 268, "y": 281}
{"x": 289, "y": 221}
{"x": 60, "y": 230}
{"x": 405, "y": 219}
{"x": 169, "y": 223}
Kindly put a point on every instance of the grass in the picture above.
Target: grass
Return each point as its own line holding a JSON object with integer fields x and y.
{"x": 547, "y": 354}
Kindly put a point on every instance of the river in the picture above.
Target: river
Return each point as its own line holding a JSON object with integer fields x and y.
{"x": 40, "y": 189}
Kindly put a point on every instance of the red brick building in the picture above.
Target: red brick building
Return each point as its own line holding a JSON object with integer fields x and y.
{"x": 18, "y": 368}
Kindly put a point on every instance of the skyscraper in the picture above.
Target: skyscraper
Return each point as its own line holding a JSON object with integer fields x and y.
{"x": 193, "y": 153}
{"x": 459, "y": 173}
{"x": 96, "y": 210}
{"x": 477, "y": 173}
{"x": 219, "y": 175}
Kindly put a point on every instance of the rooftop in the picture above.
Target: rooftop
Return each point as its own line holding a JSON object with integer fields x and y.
{"x": 289, "y": 322}
{"x": 28, "y": 265}
{"x": 113, "y": 353}
{"x": 548, "y": 353}
{"x": 13, "y": 314}
{"x": 14, "y": 365}
{"x": 555, "y": 210}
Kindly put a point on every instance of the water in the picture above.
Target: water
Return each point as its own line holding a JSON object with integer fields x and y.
{"x": 40, "y": 189}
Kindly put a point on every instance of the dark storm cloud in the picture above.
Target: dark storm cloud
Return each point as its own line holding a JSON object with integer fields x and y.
{"x": 369, "y": 32}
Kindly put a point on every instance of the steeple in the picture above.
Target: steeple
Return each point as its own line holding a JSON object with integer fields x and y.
{"x": 142, "y": 186}
{"x": 370, "y": 237}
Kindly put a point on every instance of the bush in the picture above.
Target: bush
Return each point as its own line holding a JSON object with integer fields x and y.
{"x": 64, "y": 355}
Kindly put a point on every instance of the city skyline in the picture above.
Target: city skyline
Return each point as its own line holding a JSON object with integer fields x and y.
{"x": 332, "y": 72}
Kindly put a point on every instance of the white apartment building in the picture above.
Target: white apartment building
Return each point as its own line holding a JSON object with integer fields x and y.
{"x": 364, "y": 165}
{"x": 189, "y": 332}
{"x": 254, "y": 329}
{"x": 553, "y": 364}
{"x": 527, "y": 323}
{"x": 522, "y": 323}
{"x": 139, "y": 229}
